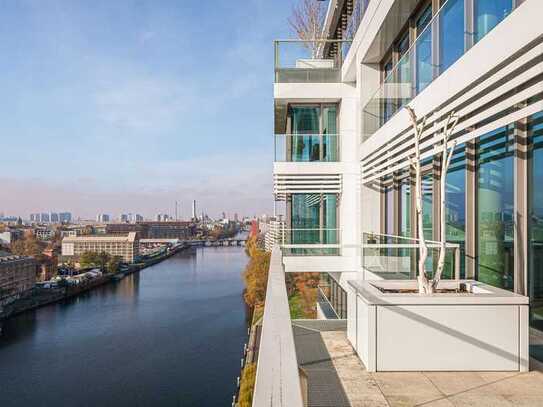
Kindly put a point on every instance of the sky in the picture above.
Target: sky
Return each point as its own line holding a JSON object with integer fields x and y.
{"x": 126, "y": 106}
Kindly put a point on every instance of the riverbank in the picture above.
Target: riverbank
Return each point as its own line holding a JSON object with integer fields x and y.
{"x": 40, "y": 297}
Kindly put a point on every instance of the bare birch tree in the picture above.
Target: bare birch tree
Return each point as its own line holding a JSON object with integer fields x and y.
{"x": 307, "y": 21}
{"x": 422, "y": 277}
{"x": 446, "y": 156}
{"x": 427, "y": 286}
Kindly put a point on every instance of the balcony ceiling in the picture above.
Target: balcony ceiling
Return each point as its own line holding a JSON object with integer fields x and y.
{"x": 394, "y": 22}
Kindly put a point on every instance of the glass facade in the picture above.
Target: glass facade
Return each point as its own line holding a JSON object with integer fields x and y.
{"x": 495, "y": 209}
{"x": 535, "y": 249}
{"x": 389, "y": 210}
{"x": 423, "y": 50}
{"x": 440, "y": 40}
{"x": 488, "y": 13}
{"x": 455, "y": 203}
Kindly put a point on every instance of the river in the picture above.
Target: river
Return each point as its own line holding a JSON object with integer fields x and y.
{"x": 170, "y": 335}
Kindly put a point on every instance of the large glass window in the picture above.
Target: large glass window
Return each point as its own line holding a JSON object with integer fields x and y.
{"x": 427, "y": 206}
{"x": 495, "y": 208}
{"x": 451, "y": 33}
{"x": 314, "y": 133}
{"x": 488, "y": 13}
{"x": 535, "y": 268}
{"x": 314, "y": 221}
{"x": 455, "y": 204}
{"x": 423, "y": 49}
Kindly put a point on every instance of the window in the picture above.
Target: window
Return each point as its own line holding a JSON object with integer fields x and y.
{"x": 451, "y": 33}
{"x": 455, "y": 203}
{"x": 314, "y": 133}
{"x": 488, "y": 14}
{"x": 495, "y": 208}
{"x": 423, "y": 50}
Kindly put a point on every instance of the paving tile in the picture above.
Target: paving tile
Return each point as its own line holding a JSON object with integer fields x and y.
{"x": 406, "y": 388}
{"x": 475, "y": 398}
{"x": 439, "y": 403}
{"x": 530, "y": 383}
{"x": 455, "y": 382}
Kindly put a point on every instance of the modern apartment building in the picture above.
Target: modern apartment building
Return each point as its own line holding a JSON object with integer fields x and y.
{"x": 344, "y": 142}
{"x": 126, "y": 247}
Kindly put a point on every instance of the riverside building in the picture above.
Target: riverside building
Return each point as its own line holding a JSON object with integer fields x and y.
{"x": 343, "y": 143}
{"x": 126, "y": 247}
{"x": 17, "y": 276}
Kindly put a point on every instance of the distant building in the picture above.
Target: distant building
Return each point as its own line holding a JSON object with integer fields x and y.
{"x": 54, "y": 218}
{"x": 126, "y": 247}
{"x": 9, "y": 236}
{"x": 124, "y": 217}
{"x": 102, "y": 218}
{"x": 44, "y": 218}
{"x": 167, "y": 230}
{"x": 138, "y": 218}
{"x": 44, "y": 234}
{"x": 65, "y": 217}
{"x": 125, "y": 228}
{"x": 17, "y": 276}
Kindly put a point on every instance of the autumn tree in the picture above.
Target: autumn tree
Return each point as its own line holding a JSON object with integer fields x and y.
{"x": 256, "y": 274}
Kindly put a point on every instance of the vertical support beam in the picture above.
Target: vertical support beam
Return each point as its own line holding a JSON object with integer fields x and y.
{"x": 457, "y": 261}
{"x": 521, "y": 223}
{"x": 471, "y": 210}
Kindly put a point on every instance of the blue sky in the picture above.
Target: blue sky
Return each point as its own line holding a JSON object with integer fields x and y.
{"x": 125, "y": 106}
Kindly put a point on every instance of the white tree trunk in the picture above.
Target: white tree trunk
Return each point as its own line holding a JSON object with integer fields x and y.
{"x": 446, "y": 157}
{"x": 422, "y": 278}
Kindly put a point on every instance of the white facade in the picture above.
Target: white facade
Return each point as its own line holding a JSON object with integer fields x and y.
{"x": 485, "y": 67}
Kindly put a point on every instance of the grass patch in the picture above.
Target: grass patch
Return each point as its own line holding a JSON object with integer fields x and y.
{"x": 247, "y": 385}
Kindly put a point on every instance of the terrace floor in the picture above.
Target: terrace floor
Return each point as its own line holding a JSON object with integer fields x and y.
{"x": 336, "y": 377}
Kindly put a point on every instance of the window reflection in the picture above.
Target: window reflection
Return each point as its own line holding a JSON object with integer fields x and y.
{"x": 495, "y": 202}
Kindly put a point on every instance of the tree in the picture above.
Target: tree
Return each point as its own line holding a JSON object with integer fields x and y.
{"x": 426, "y": 285}
{"x": 256, "y": 274}
{"x": 89, "y": 259}
{"x": 307, "y": 21}
{"x": 113, "y": 264}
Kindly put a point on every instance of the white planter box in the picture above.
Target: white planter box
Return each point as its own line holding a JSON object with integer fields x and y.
{"x": 486, "y": 329}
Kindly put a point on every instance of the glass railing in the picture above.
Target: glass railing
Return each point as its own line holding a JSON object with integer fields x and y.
{"x": 396, "y": 257}
{"x": 310, "y": 242}
{"x": 442, "y": 42}
{"x": 306, "y": 147}
{"x": 299, "y": 61}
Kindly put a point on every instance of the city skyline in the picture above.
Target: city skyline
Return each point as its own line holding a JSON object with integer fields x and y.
{"x": 117, "y": 120}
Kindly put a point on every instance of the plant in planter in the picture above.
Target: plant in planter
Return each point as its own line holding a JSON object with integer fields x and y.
{"x": 425, "y": 284}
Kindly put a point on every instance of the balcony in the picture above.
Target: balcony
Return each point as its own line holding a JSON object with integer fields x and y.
{"x": 308, "y": 61}
{"x": 304, "y": 242}
{"x": 451, "y": 32}
{"x": 306, "y": 147}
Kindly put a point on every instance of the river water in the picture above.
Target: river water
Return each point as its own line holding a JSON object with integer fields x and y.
{"x": 170, "y": 335}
